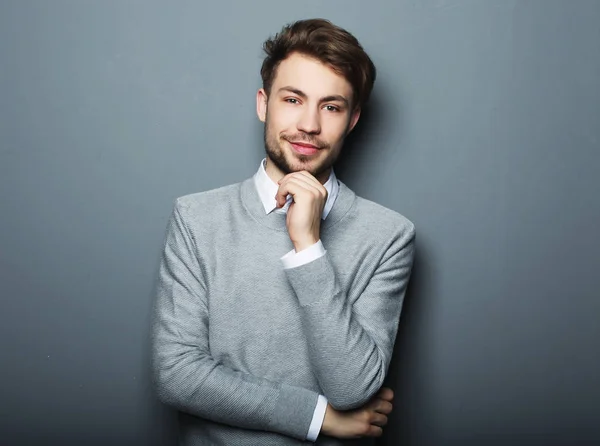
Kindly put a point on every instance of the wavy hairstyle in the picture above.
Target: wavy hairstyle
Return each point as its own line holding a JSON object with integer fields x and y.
{"x": 328, "y": 43}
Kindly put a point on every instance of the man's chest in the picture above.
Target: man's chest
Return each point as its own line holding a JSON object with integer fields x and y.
{"x": 255, "y": 320}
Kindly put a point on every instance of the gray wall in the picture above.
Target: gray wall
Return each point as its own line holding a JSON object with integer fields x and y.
{"x": 483, "y": 130}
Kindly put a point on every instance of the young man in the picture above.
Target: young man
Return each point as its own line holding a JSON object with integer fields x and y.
{"x": 279, "y": 297}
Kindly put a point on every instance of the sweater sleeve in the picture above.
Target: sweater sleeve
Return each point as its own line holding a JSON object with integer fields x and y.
{"x": 352, "y": 343}
{"x": 185, "y": 374}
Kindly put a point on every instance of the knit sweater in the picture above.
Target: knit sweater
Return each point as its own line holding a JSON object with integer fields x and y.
{"x": 243, "y": 347}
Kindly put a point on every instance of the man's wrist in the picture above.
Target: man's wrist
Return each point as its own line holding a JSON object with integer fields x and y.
{"x": 329, "y": 423}
{"x": 317, "y": 420}
{"x": 295, "y": 259}
{"x": 301, "y": 245}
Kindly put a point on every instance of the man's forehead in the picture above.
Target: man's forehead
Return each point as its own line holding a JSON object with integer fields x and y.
{"x": 310, "y": 76}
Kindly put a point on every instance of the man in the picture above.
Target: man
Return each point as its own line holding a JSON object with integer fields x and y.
{"x": 279, "y": 297}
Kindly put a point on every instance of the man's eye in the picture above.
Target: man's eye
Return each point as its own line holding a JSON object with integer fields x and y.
{"x": 332, "y": 108}
{"x": 292, "y": 100}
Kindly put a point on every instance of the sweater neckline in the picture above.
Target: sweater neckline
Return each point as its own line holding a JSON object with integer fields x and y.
{"x": 274, "y": 220}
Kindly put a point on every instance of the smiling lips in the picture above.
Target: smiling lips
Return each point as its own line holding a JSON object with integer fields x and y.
{"x": 304, "y": 148}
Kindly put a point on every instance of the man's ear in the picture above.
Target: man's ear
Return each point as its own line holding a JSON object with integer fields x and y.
{"x": 354, "y": 118}
{"x": 261, "y": 104}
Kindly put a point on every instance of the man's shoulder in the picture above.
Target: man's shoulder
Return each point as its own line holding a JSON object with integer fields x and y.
{"x": 213, "y": 199}
{"x": 380, "y": 219}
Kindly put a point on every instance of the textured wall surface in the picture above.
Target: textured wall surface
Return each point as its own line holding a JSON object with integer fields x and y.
{"x": 483, "y": 130}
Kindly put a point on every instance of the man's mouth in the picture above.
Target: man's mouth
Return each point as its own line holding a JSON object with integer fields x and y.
{"x": 304, "y": 148}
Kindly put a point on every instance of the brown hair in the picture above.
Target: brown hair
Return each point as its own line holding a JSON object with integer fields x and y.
{"x": 328, "y": 43}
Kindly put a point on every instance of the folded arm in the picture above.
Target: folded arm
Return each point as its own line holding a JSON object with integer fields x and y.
{"x": 352, "y": 343}
{"x": 186, "y": 375}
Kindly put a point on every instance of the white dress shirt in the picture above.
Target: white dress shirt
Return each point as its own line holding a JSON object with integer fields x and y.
{"x": 267, "y": 189}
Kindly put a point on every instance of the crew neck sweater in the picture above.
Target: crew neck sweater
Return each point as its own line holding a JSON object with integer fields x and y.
{"x": 243, "y": 347}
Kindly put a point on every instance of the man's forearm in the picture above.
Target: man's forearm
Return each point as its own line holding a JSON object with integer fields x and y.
{"x": 188, "y": 377}
{"x": 352, "y": 344}
{"x": 347, "y": 362}
{"x": 194, "y": 383}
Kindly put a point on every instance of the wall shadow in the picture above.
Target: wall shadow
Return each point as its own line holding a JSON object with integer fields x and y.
{"x": 367, "y": 147}
{"x": 373, "y": 122}
{"x": 409, "y": 374}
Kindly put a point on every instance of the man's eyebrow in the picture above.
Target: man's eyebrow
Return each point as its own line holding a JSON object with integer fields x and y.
{"x": 330, "y": 98}
{"x": 334, "y": 98}
{"x": 293, "y": 90}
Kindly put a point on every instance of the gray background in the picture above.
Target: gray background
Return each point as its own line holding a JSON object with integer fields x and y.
{"x": 483, "y": 130}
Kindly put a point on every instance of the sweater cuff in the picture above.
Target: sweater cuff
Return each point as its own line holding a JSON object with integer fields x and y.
{"x": 317, "y": 420}
{"x": 295, "y": 259}
{"x": 294, "y": 411}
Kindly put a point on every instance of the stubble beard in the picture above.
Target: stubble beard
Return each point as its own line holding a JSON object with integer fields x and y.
{"x": 277, "y": 156}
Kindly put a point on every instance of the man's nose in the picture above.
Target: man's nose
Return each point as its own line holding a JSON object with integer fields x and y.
{"x": 309, "y": 121}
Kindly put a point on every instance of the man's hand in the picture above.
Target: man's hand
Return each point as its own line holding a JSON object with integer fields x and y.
{"x": 366, "y": 421}
{"x": 304, "y": 215}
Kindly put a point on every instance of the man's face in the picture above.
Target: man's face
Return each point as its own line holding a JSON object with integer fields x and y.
{"x": 307, "y": 116}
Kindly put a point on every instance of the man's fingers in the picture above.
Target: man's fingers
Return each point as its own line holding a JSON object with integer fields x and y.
{"x": 309, "y": 177}
{"x": 305, "y": 176}
{"x": 286, "y": 187}
{"x": 369, "y": 430}
{"x": 303, "y": 173}
{"x": 385, "y": 393}
{"x": 305, "y": 179}
{"x": 304, "y": 182}
{"x": 375, "y": 431}
{"x": 312, "y": 180}
{"x": 382, "y": 406}
{"x": 377, "y": 419}
{"x": 294, "y": 185}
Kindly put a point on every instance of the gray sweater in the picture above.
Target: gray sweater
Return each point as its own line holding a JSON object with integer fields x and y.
{"x": 243, "y": 347}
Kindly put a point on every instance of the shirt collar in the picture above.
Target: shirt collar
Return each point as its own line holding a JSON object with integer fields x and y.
{"x": 267, "y": 189}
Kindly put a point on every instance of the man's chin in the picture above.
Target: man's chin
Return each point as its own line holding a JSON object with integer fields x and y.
{"x": 315, "y": 169}
{"x": 303, "y": 163}
{"x": 293, "y": 162}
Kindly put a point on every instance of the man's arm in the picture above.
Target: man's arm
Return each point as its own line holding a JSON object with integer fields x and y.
{"x": 351, "y": 343}
{"x": 186, "y": 375}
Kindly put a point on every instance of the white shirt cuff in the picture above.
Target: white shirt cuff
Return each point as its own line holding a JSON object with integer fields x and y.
{"x": 294, "y": 259}
{"x": 317, "y": 419}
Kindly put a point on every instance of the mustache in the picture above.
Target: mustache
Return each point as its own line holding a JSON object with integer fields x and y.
{"x": 306, "y": 138}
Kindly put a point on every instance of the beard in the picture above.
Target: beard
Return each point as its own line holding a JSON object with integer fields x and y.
{"x": 275, "y": 152}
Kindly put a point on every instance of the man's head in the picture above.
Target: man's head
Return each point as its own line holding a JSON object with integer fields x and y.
{"x": 316, "y": 78}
